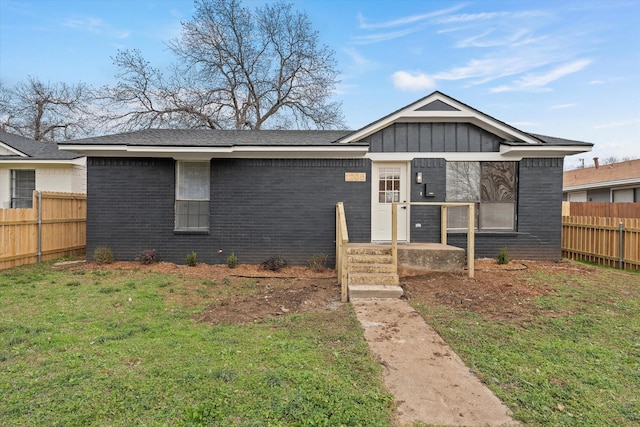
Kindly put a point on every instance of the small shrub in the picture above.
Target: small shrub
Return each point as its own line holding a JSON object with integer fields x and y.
{"x": 103, "y": 255}
{"x": 192, "y": 259}
{"x": 148, "y": 256}
{"x": 503, "y": 256}
{"x": 273, "y": 263}
{"x": 317, "y": 262}
{"x": 232, "y": 261}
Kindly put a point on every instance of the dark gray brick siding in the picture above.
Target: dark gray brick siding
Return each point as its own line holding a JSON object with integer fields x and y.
{"x": 262, "y": 208}
{"x": 433, "y": 176}
{"x": 259, "y": 208}
{"x": 539, "y": 226}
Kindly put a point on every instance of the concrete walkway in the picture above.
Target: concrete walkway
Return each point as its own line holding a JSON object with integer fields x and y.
{"x": 430, "y": 382}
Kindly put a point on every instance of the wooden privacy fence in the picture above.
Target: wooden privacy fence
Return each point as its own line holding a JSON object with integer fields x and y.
{"x": 55, "y": 227}
{"x": 608, "y": 241}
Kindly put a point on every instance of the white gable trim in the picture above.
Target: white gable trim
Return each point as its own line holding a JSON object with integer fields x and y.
{"x": 10, "y": 149}
{"x": 465, "y": 114}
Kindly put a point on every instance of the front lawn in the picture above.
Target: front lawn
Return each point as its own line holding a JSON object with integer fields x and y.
{"x": 559, "y": 344}
{"x": 123, "y": 347}
{"x": 172, "y": 345}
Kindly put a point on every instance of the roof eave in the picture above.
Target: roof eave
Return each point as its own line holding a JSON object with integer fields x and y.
{"x": 542, "y": 150}
{"x": 31, "y": 161}
{"x": 238, "y": 151}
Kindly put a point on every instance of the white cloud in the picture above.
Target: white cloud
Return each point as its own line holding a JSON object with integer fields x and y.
{"x": 357, "y": 57}
{"x": 492, "y": 68}
{"x": 485, "y": 16}
{"x": 381, "y": 37}
{"x": 562, "y": 106}
{"x": 618, "y": 124}
{"x": 95, "y": 26}
{"x": 407, "y": 81}
{"x": 596, "y": 82}
{"x": 538, "y": 82}
{"x": 555, "y": 74}
{"x": 405, "y": 25}
{"x": 411, "y": 19}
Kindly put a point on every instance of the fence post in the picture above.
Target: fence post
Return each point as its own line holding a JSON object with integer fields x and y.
{"x": 39, "y": 227}
{"x": 621, "y": 247}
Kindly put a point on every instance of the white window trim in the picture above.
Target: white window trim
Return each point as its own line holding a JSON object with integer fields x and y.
{"x": 177, "y": 199}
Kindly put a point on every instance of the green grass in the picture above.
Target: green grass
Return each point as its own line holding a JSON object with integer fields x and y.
{"x": 578, "y": 364}
{"x": 122, "y": 348}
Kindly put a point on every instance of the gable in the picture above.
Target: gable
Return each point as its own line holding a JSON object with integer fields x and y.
{"x": 438, "y": 123}
{"x": 433, "y": 138}
{"x": 437, "y": 105}
{"x": 6, "y": 150}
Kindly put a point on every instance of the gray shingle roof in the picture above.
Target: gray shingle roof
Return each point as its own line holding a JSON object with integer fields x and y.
{"x": 217, "y": 138}
{"x": 35, "y": 150}
{"x": 552, "y": 140}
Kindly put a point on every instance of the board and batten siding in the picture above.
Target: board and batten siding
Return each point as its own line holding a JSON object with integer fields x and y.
{"x": 433, "y": 138}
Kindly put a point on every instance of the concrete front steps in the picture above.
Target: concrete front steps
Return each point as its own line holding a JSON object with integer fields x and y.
{"x": 371, "y": 273}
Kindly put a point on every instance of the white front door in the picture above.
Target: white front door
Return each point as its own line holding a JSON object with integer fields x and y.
{"x": 389, "y": 184}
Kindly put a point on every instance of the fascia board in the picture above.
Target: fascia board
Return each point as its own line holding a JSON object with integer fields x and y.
{"x": 542, "y": 150}
{"x": 448, "y": 156}
{"x": 184, "y": 153}
{"x": 28, "y": 161}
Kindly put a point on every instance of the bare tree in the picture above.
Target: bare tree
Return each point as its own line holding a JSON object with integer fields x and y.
{"x": 237, "y": 69}
{"x": 45, "y": 111}
{"x": 609, "y": 160}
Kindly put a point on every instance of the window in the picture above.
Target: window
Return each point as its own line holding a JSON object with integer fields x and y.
{"x": 491, "y": 186}
{"x": 192, "y": 196}
{"x": 23, "y": 183}
{"x": 389, "y": 185}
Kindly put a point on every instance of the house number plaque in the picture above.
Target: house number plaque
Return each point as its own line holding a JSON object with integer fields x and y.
{"x": 355, "y": 176}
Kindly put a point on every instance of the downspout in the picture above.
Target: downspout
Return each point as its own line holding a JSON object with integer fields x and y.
{"x": 39, "y": 227}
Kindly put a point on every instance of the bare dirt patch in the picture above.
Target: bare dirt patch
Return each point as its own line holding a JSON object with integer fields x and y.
{"x": 496, "y": 291}
{"x": 246, "y": 293}
{"x": 253, "y": 294}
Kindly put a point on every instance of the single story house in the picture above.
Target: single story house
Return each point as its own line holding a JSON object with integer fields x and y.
{"x": 615, "y": 182}
{"x": 273, "y": 192}
{"x": 27, "y": 165}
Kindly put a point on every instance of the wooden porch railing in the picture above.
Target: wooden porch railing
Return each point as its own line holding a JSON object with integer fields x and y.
{"x": 443, "y": 229}
{"x": 342, "y": 238}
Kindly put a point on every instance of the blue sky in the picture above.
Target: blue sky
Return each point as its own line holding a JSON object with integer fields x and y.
{"x": 563, "y": 68}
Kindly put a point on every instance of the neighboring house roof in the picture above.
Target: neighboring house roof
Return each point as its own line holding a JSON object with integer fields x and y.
{"x": 611, "y": 175}
{"x": 437, "y": 107}
{"x": 18, "y": 148}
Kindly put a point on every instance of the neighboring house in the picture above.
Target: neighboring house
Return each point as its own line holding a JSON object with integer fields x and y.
{"x": 27, "y": 165}
{"x": 615, "y": 182}
{"x": 267, "y": 193}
